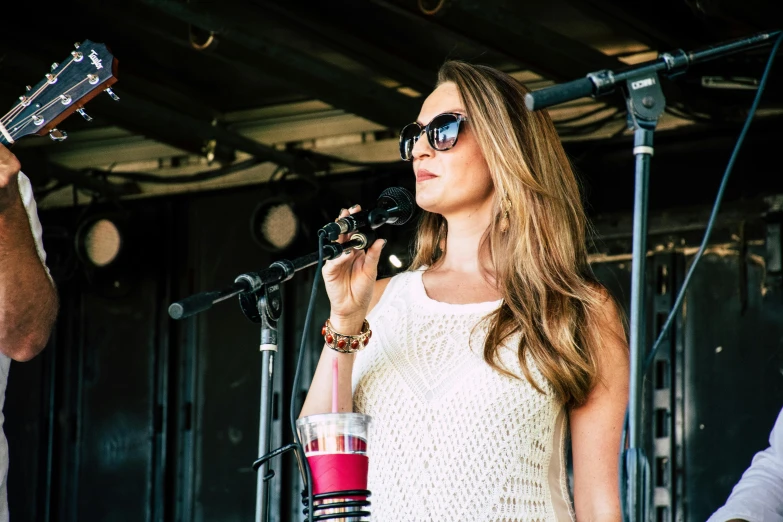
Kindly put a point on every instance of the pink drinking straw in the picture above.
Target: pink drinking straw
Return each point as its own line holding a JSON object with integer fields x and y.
{"x": 334, "y": 384}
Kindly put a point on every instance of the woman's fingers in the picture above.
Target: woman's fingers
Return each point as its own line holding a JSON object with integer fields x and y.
{"x": 349, "y": 278}
{"x": 353, "y": 210}
{"x": 365, "y": 264}
{"x": 344, "y": 261}
{"x": 343, "y": 213}
{"x": 372, "y": 257}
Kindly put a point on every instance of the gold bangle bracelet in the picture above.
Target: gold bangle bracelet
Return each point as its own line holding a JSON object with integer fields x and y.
{"x": 346, "y": 343}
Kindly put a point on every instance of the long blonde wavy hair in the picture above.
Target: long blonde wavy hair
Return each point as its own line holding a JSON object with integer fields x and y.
{"x": 540, "y": 261}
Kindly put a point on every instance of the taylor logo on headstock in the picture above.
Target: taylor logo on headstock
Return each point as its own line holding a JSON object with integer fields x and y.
{"x": 64, "y": 90}
{"x": 97, "y": 62}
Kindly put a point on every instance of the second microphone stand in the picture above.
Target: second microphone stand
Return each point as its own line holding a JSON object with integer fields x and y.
{"x": 261, "y": 301}
{"x": 645, "y": 102}
{"x": 267, "y": 307}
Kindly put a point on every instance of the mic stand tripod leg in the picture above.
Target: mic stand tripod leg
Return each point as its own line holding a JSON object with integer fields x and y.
{"x": 269, "y": 304}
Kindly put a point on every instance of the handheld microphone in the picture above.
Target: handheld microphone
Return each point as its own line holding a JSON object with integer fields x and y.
{"x": 395, "y": 206}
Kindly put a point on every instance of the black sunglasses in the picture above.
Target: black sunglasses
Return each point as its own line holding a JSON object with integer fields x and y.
{"x": 442, "y": 133}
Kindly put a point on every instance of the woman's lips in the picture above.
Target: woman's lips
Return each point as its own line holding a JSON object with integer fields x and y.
{"x": 424, "y": 175}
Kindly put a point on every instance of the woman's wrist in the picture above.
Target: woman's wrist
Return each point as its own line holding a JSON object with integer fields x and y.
{"x": 350, "y": 325}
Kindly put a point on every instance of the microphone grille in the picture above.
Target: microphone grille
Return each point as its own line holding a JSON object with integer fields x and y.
{"x": 402, "y": 199}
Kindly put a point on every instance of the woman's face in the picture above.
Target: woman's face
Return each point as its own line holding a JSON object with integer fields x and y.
{"x": 455, "y": 180}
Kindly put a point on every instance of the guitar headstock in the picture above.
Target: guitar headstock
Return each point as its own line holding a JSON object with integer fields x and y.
{"x": 89, "y": 70}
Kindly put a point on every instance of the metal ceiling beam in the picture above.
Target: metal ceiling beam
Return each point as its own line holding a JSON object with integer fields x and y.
{"x": 121, "y": 19}
{"x": 657, "y": 27}
{"x": 168, "y": 94}
{"x": 302, "y": 16}
{"x": 41, "y": 171}
{"x": 532, "y": 45}
{"x": 344, "y": 89}
{"x": 549, "y": 53}
{"x": 621, "y": 23}
{"x": 169, "y": 126}
{"x": 421, "y": 24}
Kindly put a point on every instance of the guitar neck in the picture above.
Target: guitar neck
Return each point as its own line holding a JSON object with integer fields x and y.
{"x": 88, "y": 70}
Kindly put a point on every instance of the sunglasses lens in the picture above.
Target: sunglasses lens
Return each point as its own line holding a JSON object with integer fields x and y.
{"x": 408, "y": 136}
{"x": 443, "y": 131}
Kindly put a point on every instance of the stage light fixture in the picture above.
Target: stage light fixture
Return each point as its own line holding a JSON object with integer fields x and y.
{"x": 274, "y": 224}
{"x": 99, "y": 241}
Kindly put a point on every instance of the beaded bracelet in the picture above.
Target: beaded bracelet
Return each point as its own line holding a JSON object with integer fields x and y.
{"x": 346, "y": 343}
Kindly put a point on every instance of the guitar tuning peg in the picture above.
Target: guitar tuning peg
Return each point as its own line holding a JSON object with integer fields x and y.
{"x": 28, "y": 88}
{"x": 77, "y": 45}
{"x": 58, "y": 135}
{"x": 84, "y": 115}
{"x": 55, "y": 65}
{"x": 111, "y": 93}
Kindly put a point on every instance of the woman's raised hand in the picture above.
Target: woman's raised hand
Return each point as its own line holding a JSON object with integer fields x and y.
{"x": 349, "y": 281}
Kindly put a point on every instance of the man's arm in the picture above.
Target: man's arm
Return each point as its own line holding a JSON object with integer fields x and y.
{"x": 28, "y": 299}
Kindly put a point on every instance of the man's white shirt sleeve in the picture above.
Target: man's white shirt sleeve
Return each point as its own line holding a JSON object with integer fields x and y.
{"x": 758, "y": 496}
{"x": 26, "y": 191}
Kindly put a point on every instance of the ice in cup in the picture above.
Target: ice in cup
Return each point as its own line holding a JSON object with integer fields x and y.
{"x": 335, "y": 445}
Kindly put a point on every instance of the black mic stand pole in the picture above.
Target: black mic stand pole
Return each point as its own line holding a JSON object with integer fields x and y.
{"x": 261, "y": 302}
{"x": 645, "y": 102}
{"x": 269, "y": 307}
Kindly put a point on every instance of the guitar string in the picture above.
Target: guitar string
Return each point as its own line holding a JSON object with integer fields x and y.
{"x": 16, "y": 130}
{"x": 21, "y": 106}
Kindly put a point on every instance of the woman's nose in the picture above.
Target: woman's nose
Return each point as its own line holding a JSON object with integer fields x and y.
{"x": 422, "y": 146}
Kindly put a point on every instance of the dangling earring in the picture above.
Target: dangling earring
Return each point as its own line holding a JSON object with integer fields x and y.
{"x": 504, "y": 221}
{"x": 504, "y": 224}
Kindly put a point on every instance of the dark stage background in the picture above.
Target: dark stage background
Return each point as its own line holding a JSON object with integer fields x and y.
{"x": 129, "y": 415}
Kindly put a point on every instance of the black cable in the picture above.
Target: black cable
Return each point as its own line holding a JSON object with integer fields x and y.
{"x": 708, "y": 231}
{"x": 311, "y": 180}
{"x": 297, "y": 373}
{"x": 143, "y": 177}
{"x": 42, "y": 193}
{"x": 716, "y": 206}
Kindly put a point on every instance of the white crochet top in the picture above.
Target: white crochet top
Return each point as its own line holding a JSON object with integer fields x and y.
{"x": 451, "y": 438}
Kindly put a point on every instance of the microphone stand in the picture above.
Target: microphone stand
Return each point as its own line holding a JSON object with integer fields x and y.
{"x": 261, "y": 301}
{"x": 268, "y": 307}
{"x": 645, "y": 103}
